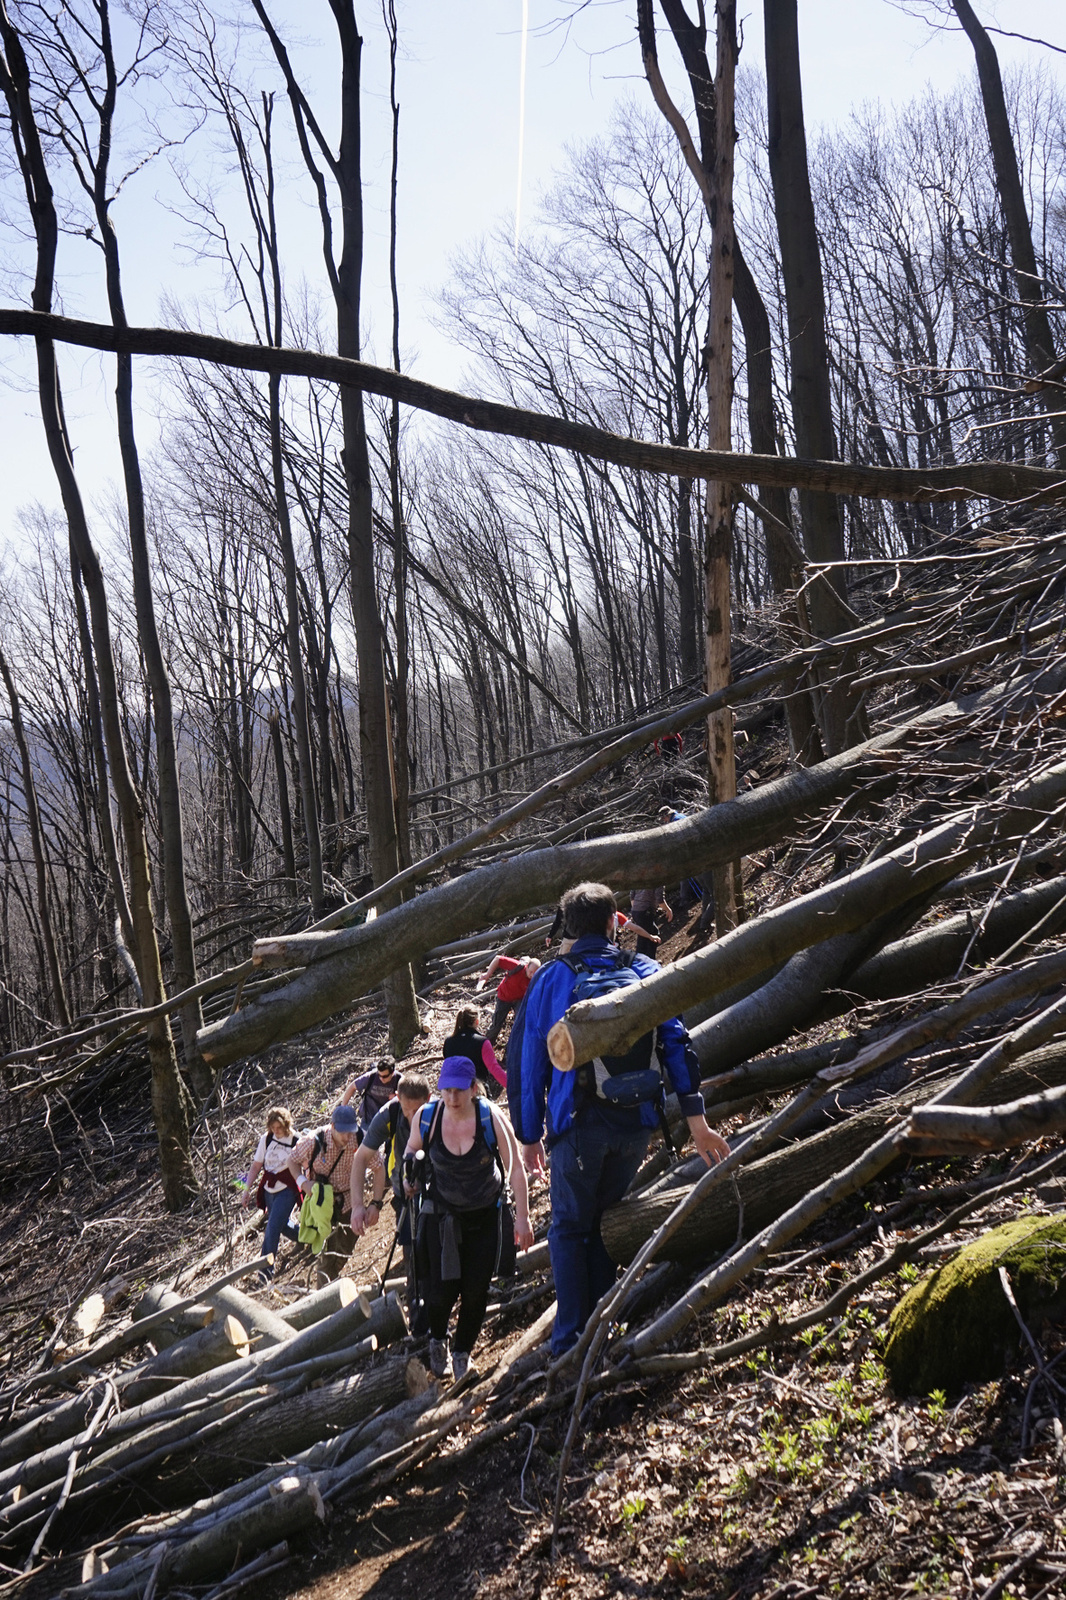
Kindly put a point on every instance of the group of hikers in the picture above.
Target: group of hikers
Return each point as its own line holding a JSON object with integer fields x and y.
{"x": 457, "y": 1166}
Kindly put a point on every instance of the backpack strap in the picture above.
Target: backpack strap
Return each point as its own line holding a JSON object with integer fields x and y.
{"x": 392, "y": 1156}
{"x": 488, "y": 1127}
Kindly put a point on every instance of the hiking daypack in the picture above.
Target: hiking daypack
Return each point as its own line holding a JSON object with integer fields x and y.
{"x": 393, "y": 1151}
{"x": 626, "y": 1081}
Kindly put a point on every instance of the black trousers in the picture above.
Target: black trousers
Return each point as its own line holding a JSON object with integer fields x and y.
{"x": 477, "y": 1254}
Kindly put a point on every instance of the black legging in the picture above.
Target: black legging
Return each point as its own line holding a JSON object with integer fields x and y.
{"x": 477, "y": 1255}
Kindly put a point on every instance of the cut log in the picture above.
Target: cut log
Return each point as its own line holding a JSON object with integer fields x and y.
{"x": 322, "y": 1303}
{"x": 185, "y": 1321}
{"x": 380, "y": 1431}
{"x": 222, "y": 1341}
{"x": 610, "y": 1025}
{"x": 953, "y": 1128}
{"x": 293, "y": 1505}
{"x": 264, "y": 1326}
{"x": 535, "y": 1259}
{"x": 292, "y": 1425}
{"x": 383, "y": 1318}
{"x": 136, "y": 1333}
{"x": 770, "y": 1186}
{"x": 351, "y": 962}
{"x": 50, "y": 1426}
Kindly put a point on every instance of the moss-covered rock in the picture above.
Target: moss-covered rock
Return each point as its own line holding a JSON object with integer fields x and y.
{"x": 956, "y": 1327}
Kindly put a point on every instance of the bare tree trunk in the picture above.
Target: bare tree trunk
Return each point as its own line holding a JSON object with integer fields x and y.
{"x": 345, "y": 272}
{"x": 691, "y": 40}
{"x": 1039, "y": 340}
{"x": 718, "y": 551}
{"x": 170, "y": 1103}
{"x": 801, "y": 269}
{"x": 170, "y": 813}
{"x": 33, "y": 819}
{"x": 288, "y": 855}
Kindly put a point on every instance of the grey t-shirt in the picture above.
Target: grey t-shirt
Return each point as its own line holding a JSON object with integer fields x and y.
{"x": 377, "y": 1137}
{"x": 644, "y": 903}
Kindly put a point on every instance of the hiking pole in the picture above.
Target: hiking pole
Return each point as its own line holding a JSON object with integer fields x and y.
{"x": 395, "y": 1241}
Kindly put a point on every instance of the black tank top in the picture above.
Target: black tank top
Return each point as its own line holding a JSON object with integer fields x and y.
{"x": 462, "y": 1183}
{"x": 469, "y": 1045}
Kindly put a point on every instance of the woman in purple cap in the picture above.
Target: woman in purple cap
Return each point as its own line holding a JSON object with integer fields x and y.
{"x": 470, "y": 1151}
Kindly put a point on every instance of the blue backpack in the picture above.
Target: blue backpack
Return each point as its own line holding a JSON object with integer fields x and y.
{"x": 626, "y": 1081}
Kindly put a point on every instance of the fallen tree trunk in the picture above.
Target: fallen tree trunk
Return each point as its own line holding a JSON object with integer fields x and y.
{"x": 950, "y": 1129}
{"x": 221, "y": 1342}
{"x": 906, "y": 965}
{"x": 383, "y": 1318}
{"x": 348, "y": 963}
{"x": 40, "y": 1449}
{"x": 293, "y": 1425}
{"x": 219, "y": 1434}
{"x": 790, "y": 999}
{"x": 609, "y": 1026}
{"x": 770, "y": 1186}
{"x": 292, "y": 1505}
{"x": 320, "y": 1303}
{"x": 186, "y": 1320}
{"x": 969, "y": 1088}
{"x": 1000, "y": 480}
{"x": 380, "y": 1432}
{"x": 264, "y": 1326}
{"x": 935, "y": 954}
{"x": 794, "y": 994}
{"x": 136, "y": 1333}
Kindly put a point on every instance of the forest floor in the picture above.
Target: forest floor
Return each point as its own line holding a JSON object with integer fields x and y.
{"x": 787, "y": 1476}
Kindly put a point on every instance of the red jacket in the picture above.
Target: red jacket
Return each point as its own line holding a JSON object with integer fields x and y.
{"x": 515, "y": 980}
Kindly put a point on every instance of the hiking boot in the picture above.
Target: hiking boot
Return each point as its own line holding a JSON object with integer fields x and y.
{"x": 460, "y": 1365}
{"x": 438, "y": 1357}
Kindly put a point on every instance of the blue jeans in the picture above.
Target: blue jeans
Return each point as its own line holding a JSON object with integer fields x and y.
{"x": 279, "y": 1210}
{"x": 592, "y": 1166}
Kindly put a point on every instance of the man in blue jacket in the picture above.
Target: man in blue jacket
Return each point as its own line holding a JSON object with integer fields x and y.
{"x": 596, "y": 1148}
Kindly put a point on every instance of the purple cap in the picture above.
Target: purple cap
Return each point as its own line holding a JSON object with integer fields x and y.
{"x": 344, "y": 1119}
{"x": 457, "y": 1073}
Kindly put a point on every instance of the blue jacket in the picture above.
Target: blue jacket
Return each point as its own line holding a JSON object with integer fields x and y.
{"x": 547, "y": 1091}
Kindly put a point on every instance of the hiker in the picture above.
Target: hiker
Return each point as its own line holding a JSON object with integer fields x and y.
{"x": 470, "y": 1153}
{"x": 467, "y": 1041}
{"x": 371, "y": 1090}
{"x": 274, "y": 1187}
{"x": 689, "y": 890}
{"x": 327, "y": 1157}
{"x": 596, "y": 1144}
{"x": 517, "y": 975}
{"x": 621, "y": 923}
{"x": 381, "y": 1153}
{"x": 648, "y": 910}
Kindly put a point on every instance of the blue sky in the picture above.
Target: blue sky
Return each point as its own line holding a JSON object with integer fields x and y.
{"x": 458, "y": 90}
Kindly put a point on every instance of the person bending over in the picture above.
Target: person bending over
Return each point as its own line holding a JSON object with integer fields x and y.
{"x": 517, "y": 976}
